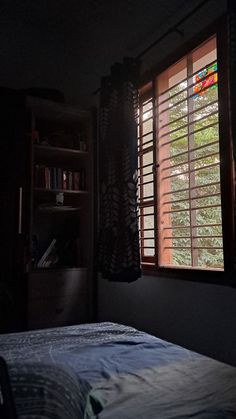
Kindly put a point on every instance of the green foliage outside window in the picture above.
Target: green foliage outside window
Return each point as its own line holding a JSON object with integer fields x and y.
{"x": 206, "y": 257}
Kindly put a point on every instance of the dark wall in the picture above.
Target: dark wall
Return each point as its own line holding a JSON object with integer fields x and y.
{"x": 197, "y": 316}
{"x": 70, "y": 44}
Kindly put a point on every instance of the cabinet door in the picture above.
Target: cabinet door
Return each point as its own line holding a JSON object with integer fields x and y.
{"x": 57, "y": 297}
{"x": 15, "y": 164}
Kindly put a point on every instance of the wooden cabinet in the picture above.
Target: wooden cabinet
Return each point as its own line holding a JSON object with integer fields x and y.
{"x": 48, "y": 214}
{"x": 14, "y": 211}
{"x": 58, "y": 298}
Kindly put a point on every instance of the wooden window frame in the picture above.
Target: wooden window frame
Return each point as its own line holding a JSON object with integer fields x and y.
{"x": 147, "y": 89}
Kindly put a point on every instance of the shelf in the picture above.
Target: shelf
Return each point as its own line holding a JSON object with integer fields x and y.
{"x": 50, "y": 152}
{"x": 56, "y": 208}
{"x": 59, "y": 268}
{"x": 56, "y": 191}
{"x": 54, "y": 111}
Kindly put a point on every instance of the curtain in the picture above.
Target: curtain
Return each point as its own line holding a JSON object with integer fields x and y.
{"x": 118, "y": 250}
{"x": 232, "y": 90}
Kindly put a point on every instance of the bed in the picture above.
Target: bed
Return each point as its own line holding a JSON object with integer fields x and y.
{"x": 112, "y": 371}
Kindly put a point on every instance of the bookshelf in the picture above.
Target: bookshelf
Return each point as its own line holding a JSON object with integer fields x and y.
{"x": 37, "y": 216}
{"x": 60, "y": 265}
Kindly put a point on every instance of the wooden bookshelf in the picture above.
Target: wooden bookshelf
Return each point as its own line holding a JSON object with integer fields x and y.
{"x": 60, "y": 233}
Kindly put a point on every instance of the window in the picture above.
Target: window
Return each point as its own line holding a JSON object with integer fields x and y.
{"x": 180, "y": 191}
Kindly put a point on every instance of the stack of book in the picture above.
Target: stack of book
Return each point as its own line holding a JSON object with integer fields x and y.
{"x": 58, "y": 178}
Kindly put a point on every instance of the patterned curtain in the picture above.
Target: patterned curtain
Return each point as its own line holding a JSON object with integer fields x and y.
{"x": 232, "y": 89}
{"x": 118, "y": 253}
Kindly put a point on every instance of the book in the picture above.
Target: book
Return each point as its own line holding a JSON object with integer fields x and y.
{"x": 64, "y": 179}
{"x": 82, "y": 180}
{"x": 54, "y": 185}
{"x": 76, "y": 181}
{"x": 42, "y": 260}
{"x": 59, "y": 178}
{"x": 47, "y": 178}
{"x": 69, "y": 180}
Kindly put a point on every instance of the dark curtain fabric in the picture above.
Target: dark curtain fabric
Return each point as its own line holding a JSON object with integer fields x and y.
{"x": 118, "y": 250}
{"x": 232, "y": 91}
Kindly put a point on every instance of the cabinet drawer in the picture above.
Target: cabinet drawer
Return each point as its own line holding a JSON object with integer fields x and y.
{"x": 57, "y": 283}
{"x": 58, "y": 311}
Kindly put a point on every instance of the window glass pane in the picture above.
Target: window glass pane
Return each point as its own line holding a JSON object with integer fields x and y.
{"x": 146, "y": 141}
{"x": 205, "y": 136}
{"x": 181, "y": 242}
{"x": 147, "y": 178}
{"x": 147, "y": 106}
{"x": 209, "y": 242}
{"x": 178, "y": 146}
{"x": 205, "y": 161}
{"x": 148, "y": 221}
{"x": 171, "y": 77}
{"x": 147, "y": 170}
{"x": 210, "y": 200}
{"x": 207, "y": 110}
{"x": 179, "y": 232}
{"x": 207, "y": 175}
{"x": 210, "y": 96}
{"x": 208, "y": 216}
{"x": 147, "y": 126}
{"x": 148, "y": 114}
{"x": 147, "y": 190}
{"x": 210, "y": 258}
{"x": 208, "y": 149}
{"x": 148, "y": 234}
{"x": 184, "y": 194}
{"x": 179, "y": 182}
{"x": 197, "y": 125}
{"x": 180, "y": 205}
{"x": 182, "y": 257}
{"x": 204, "y": 54}
{"x": 177, "y": 257}
{"x": 148, "y": 210}
{"x": 181, "y": 218}
{"x": 149, "y": 252}
{"x": 147, "y": 158}
{"x": 206, "y": 190}
{"x": 209, "y": 230}
{"x": 148, "y": 243}
{"x": 167, "y": 115}
{"x": 176, "y": 170}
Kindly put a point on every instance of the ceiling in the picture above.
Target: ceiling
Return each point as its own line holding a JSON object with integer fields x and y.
{"x": 70, "y": 44}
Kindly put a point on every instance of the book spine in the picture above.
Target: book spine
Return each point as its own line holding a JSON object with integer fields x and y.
{"x": 64, "y": 179}
{"x": 36, "y": 175}
{"x": 76, "y": 177}
{"x": 54, "y": 178}
{"x": 47, "y": 177}
{"x": 59, "y": 178}
{"x": 82, "y": 180}
{"x": 70, "y": 180}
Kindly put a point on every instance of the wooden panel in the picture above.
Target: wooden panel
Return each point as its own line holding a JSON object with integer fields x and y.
{"x": 52, "y": 283}
{"x": 57, "y": 311}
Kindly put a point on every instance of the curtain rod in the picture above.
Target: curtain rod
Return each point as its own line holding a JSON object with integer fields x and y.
{"x": 173, "y": 28}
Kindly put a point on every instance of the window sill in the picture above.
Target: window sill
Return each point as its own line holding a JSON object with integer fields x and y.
{"x": 216, "y": 277}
